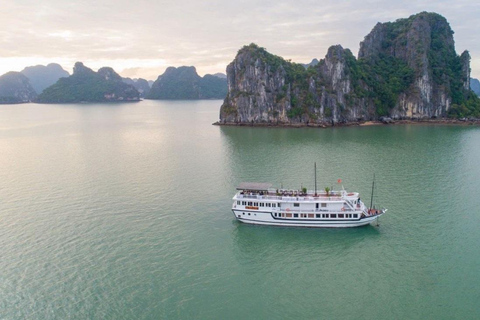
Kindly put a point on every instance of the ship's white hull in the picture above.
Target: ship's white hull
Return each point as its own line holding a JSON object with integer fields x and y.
{"x": 267, "y": 218}
{"x": 257, "y": 203}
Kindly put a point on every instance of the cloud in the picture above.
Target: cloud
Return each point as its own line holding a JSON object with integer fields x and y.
{"x": 206, "y": 33}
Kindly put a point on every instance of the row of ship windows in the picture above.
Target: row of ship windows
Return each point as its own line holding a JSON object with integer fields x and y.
{"x": 261, "y": 204}
{"x": 257, "y": 204}
{"x": 316, "y": 215}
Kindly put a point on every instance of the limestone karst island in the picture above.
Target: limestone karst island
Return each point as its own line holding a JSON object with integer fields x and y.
{"x": 407, "y": 69}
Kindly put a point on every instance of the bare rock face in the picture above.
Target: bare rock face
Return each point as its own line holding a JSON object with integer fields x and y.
{"x": 466, "y": 71}
{"x": 406, "y": 69}
{"x": 257, "y": 90}
{"x": 336, "y": 74}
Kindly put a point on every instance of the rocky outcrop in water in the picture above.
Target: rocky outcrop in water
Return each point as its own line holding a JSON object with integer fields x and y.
{"x": 86, "y": 85}
{"x": 184, "y": 83}
{"x": 407, "y": 69}
{"x": 15, "y": 88}
{"x": 264, "y": 88}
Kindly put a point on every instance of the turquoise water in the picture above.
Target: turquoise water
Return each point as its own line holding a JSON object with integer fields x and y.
{"x": 123, "y": 212}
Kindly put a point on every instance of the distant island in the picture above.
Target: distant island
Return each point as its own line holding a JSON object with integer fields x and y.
{"x": 140, "y": 84}
{"x": 25, "y": 86}
{"x": 184, "y": 83}
{"x": 15, "y": 87}
{"x": 313, "y": 63}
{"x": 42, "y": 77}
{"x": 86, "y": 85}
{"x": 475, "y": 86}
{"x": 52, "y": 84}
{"x": 407, "y": 69}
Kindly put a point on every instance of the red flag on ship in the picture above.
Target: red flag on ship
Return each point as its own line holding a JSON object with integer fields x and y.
{"x": 339, "y": 181}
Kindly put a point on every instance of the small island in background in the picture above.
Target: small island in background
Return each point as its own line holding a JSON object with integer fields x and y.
{"x": 184, "y": 83}
{"x": 15, "y": 87}
{"x": 86, "y": 85}
{"x": 475, "y": 86}
{"x": 52, "y": 84}
{"x": 407, "y": 69}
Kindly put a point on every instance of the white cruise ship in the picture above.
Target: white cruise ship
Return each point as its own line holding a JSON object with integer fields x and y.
{"x": 258, "y": 203}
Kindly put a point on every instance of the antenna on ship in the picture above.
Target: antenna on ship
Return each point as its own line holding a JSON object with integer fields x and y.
{"x": 371, "y": 200}
{"x": 315, "y": 168}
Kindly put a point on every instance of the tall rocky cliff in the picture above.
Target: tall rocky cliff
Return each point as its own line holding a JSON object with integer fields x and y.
{"x": 405, "y": 69}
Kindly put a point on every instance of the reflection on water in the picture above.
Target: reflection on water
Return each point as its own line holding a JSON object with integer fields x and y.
{"x": 266, "y": 242}
{"x": 124, "y": 211}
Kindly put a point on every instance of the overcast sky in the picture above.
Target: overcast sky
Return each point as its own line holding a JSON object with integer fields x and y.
{"x": 142, "y": 38}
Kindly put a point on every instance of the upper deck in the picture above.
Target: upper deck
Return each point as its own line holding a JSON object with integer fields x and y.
{"x": 262, "y": 191}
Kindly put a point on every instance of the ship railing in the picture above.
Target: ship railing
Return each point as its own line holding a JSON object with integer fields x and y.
{"x": 352, "y": 205}
{"x": 288, "y": 198}
{"x": 289, "y": 210}
{"x": 244, "y": 196}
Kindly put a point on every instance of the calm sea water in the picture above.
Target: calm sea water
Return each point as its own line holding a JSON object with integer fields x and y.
{"x": 123, "y": 212}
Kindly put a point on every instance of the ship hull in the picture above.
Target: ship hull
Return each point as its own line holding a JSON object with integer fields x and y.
{"x": 267, "y": 218}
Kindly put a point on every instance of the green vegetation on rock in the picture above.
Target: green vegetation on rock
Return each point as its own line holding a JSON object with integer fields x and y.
{"x": 468, "y": 108}
{"x": 387, "y": 77}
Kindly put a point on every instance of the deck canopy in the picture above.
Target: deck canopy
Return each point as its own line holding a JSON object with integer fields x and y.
{"x": 254, "y": 186}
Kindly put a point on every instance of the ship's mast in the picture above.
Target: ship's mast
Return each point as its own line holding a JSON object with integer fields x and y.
{"x": 315, "y": 168}
{"x": 373, "y": 186}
